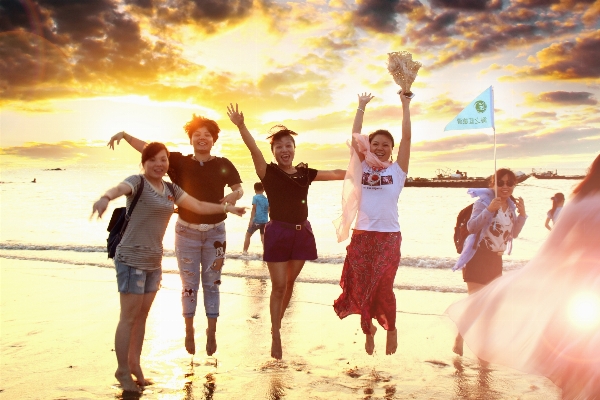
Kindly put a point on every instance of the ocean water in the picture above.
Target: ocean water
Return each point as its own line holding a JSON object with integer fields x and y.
{"x": 50, "y": 221}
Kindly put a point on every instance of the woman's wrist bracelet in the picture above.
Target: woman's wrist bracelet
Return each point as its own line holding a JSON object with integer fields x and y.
{"x": 360, "y": 109}
{"x": 225, "y": 208}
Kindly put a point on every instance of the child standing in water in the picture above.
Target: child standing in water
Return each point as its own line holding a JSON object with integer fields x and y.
{"x": 259, "y": 216}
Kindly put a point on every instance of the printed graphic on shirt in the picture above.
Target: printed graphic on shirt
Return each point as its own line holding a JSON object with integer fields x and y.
{"x": 498, "y": 233}
{"x": 375, "y": 179}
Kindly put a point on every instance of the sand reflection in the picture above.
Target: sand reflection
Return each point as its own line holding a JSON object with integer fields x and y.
{"x": 474, "y": 382}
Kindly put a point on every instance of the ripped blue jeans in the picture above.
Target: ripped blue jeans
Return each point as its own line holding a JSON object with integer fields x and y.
{"x": 196, "y": 252}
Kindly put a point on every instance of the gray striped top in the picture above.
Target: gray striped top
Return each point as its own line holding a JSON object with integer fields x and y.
{"x": 141, "y": 245}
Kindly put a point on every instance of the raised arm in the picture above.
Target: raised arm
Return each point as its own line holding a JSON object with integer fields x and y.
{"x": 237, "y": 117}
{"x": 133, "y": 142}
{"x": 404, "y": 149}
{"x": 205, "y": 208}
{"x": 100, "y": 206}
{"x": 363, "y": 100}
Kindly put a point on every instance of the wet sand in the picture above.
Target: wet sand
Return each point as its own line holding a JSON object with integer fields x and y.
{"x": 57, "y": 326}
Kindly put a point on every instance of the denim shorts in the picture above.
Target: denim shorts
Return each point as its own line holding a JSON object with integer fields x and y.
{"x": 137, "y": 281}
{"x": 256, "y": 227}
{"x": 285, "y": 241}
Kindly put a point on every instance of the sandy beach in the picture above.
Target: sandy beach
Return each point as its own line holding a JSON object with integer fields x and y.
{"x": 57, "y": 328}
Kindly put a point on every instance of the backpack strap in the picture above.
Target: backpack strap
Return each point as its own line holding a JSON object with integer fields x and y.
{"x": 133, "y": 203}
{"x": 171, "y": 188}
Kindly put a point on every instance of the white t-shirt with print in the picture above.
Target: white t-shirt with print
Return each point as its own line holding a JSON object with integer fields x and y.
{"x": 378, "y": 209}
{"x": 496, "y": 236}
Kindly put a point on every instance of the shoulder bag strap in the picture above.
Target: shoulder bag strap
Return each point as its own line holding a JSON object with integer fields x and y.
{"x": 133, "y": 203}
{"x": 171, "y": 188}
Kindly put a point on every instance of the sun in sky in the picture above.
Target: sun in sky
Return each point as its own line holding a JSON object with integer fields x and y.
{"x": 74, "y": 73}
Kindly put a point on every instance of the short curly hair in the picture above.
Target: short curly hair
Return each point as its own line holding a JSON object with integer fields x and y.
{"x": 198, "y": 122}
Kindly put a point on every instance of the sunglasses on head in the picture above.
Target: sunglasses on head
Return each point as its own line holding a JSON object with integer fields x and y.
{"x": 507, "y": 183}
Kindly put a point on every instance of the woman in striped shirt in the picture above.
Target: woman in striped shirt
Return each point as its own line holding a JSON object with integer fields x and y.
{"x": 139, "y": 254}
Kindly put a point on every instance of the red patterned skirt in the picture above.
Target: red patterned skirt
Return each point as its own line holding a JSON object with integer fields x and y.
{"x": 368, "y": 278}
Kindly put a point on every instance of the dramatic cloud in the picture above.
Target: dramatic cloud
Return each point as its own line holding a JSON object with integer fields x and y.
{"x": 380, "y": 15}
{"x": 474, "y": 5}
{"x": 568, "y": 98}
{"x": 568, "y": 60}
{"x": 469, "y": 29}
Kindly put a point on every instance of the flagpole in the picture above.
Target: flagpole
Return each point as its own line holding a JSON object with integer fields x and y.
{"x": 494, "y": 128}
{"x": 495, "y": 170}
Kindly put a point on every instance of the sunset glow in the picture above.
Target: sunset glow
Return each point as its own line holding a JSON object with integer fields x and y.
{"x": 584, "y": 310}
{"x": 81, "y": 73}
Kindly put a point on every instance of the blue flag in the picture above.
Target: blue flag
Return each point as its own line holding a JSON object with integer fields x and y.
{"x": 477, "y": 115}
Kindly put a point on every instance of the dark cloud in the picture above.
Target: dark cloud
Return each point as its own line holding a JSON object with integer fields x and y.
{"x": 459, "y": 30}
{"x": 548, "y": 3}
{"x": 576, "y": 59}
{"x": 61, "y": 47}
{"x": 146, "y": 4}
{"x": 468, "y": 5}
{"x": 570, "y": 98}
{"x": 209, "y": 16}
{"x": 438, "y": 26}
{"x": 380, "y": 15}
{"x": 28, "y": 61}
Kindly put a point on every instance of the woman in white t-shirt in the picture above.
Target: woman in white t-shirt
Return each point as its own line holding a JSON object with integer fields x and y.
{"x": 558, "y": 201}
{"x": 371, "y": 189}
{"x": 139, "y": 254}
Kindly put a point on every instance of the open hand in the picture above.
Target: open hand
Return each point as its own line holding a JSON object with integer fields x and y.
{"x": 99, "y": 207}
{"x": 364, "y": 99}
{"x": 237, "y": 117}
{"x": 116, "y": 137}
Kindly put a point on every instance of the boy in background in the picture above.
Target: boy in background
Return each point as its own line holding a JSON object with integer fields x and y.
{"x": 259, "y": 216}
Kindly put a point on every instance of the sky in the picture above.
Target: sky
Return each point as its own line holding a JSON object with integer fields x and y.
{"x": 73, "y": 73}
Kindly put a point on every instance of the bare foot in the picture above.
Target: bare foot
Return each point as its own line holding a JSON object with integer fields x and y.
{"x": 276, "y": 351}
{"x": 124, "y": 378}
{"x": 211, "y": 342}
{"x": 458, "y": 345}
{"x": 370, "y": 341}
{"x": 136, "y": 370}
{"x": 190, "y": 344}
{"x": 391, "y": 343}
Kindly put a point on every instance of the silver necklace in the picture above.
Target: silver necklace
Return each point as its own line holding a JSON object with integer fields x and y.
{"x": 201, "y": 161}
